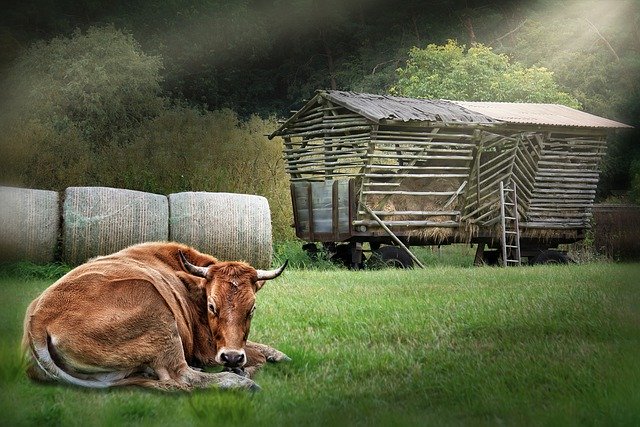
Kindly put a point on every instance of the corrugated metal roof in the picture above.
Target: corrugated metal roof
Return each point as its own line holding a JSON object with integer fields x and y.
{"x": 378, "y": 108}
{"x": 384, "y": 107}
{"x": 540, "y": 114}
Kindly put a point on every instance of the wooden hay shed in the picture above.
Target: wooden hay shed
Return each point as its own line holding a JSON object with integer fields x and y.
{"x": 367, "y": 168}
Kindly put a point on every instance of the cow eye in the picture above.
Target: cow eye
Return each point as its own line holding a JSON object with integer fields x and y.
{"x": 212, "y": 309}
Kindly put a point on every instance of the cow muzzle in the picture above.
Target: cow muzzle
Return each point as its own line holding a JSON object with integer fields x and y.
{"x": 231, "y": 358}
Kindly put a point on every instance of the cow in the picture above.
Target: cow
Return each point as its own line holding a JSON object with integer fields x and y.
{"x": 149, "y": 315}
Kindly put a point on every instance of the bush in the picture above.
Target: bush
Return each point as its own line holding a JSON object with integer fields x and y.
{"x": 184, "y": 149}
{"x": 617, "y": 231}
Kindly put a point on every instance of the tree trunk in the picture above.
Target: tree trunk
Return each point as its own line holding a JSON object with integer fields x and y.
{"x": 329, "y": 55}
{"x": 469, "y": 26}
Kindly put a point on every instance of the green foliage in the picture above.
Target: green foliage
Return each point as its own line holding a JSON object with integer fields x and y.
{"x": 99, "y": 84}
{"x": 292, "y": 252}
{"x": 592, "y": 47}
{"x": 184, "y": 149}
{"x": 68, "y": 98}
{"x": 553, "y": 345}
{"x": 451, "y": 71}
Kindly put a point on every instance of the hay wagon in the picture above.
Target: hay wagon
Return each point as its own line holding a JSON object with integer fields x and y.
{"x": 381, "y": 173}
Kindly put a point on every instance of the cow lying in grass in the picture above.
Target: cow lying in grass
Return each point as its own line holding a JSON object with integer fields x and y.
{"x": 149, "y": 315}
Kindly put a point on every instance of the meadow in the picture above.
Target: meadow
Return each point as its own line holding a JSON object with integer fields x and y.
{"x": 449, "y": 345}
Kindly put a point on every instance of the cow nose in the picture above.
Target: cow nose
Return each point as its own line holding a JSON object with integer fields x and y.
{"x": 232, "y": 358}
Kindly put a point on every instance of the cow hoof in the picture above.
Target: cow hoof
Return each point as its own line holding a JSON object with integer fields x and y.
{"x": 278, "y": 356}
{"x": 229, "y": 380}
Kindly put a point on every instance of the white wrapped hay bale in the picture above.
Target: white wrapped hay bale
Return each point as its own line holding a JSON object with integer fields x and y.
{"x": 29, "y": 224}
{"x": 101, "y": 220}
{"x": 225, "y": 225}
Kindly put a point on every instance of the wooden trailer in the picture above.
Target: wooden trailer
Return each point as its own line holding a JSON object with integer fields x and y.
{"x": 516, "y": 179}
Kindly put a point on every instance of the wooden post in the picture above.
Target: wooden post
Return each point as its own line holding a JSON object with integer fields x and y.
{"x": 393, "y": 236}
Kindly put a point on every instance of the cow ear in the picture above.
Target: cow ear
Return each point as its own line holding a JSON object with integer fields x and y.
{"x": 194, "y": 286}
{"x": 259, "y": 284}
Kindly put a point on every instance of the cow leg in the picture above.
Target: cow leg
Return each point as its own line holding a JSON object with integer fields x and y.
{"x": 174, "y": 373}
{"x": 173, "y": 367}
{"x": 258, "y": 355}
{"x": 190, "y": 379}
{"x": 269, "y": 353}
{"x": 222, "y": 380}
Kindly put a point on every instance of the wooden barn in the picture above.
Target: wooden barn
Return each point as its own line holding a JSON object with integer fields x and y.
{"x": 517, "y": 179}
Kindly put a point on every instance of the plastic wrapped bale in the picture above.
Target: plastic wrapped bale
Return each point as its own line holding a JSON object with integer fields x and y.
{"x": 100, "y": 220}
{"x": 29, "y": 224}
{"x": 227, "y": 226}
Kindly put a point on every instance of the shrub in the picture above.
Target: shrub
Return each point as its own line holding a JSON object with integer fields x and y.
{"x": 184, "y": 149}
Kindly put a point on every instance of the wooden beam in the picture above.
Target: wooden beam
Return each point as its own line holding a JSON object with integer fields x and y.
{"x": 393, "y": 236}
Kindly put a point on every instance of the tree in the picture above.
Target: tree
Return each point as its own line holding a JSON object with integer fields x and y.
{"x": 67, "y": 99}
{"x": 451, "y": 71}
{"x": 99, "y": 82}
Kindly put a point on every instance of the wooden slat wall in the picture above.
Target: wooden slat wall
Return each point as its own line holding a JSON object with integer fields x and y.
{"x": 492, "y": 162}
{"x": 525, "y": 168}
{"x": 413, "y": 177}
{"x": 326, "y": 142}
{"x": 565, "y": 182}
{"x": 512, "y": 157}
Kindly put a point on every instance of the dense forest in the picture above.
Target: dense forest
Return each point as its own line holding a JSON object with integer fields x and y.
{"x": 114, "y": 73}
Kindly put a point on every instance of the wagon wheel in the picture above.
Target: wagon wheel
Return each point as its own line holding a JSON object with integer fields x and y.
{"x": 551, "y": 257}
{"x": 492, "y": 257}
{"x": 342, "y": 254}
{"x": 390, "y": 256}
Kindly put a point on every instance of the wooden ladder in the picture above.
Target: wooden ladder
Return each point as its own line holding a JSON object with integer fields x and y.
{"x": 510, "y": 226}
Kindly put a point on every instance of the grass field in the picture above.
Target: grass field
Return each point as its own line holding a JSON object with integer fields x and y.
{"x": 553, "y": 345}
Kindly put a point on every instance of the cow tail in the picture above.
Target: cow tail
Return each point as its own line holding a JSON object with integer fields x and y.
{"x": 42, "y": 356}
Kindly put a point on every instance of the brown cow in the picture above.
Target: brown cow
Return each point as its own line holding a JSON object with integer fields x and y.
{"x": 144, "y": 316}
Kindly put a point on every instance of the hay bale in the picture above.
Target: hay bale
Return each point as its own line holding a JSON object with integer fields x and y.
{"x": 29, "y": 224}
{"x": 227, "y": 226}
{"x": 100, "y": 220}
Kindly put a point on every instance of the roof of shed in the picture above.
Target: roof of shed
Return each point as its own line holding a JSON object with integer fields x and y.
{"x": 380, "y": 108}
{"x": 384, "y": 107}
{"x": 540, "y": 114}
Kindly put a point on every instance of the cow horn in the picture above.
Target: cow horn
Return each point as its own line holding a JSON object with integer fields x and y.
{"x": 193, "y": 269}
{"x": 271, "y": 274}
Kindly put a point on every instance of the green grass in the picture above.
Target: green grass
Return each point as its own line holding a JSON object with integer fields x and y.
{"x": 553, "y": 345}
